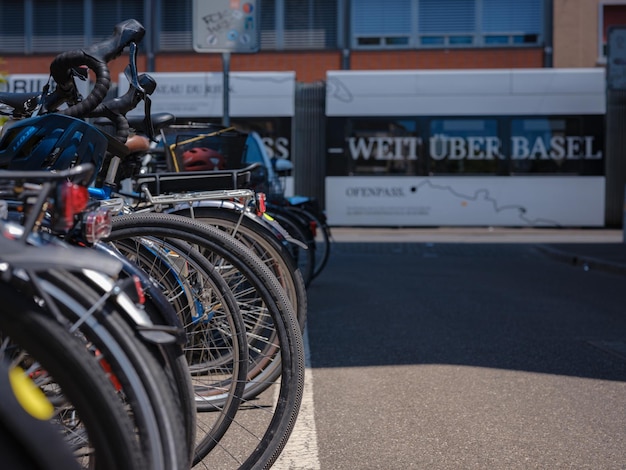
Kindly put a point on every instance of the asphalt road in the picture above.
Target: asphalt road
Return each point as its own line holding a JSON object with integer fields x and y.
{"x": 462, "y": 356}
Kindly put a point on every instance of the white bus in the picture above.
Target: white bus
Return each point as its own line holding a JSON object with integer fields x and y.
{"x": 521, "y": 147}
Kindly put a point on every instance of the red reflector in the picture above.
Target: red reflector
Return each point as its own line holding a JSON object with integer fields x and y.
{"x": 260, "y": 203}
{"x": 313, "y": 228}
{"x": 97, "y": 224}
{"x": 109, "y": 372}
{"x": 139, "y": 289}
{"x": 74, "y": 199}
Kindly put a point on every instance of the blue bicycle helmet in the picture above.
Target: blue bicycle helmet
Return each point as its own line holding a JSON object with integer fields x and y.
{"x": 51, "y": 142}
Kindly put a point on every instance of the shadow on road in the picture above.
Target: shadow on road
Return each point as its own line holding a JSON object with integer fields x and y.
{"x": 491, "y": 305}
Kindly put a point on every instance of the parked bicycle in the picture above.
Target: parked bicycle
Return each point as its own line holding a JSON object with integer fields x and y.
{"x": 196, "y": 262}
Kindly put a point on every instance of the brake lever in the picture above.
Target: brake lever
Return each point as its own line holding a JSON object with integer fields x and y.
{"x": 135, "y": 82}
{"x": 82, "y": 73}
{"x": 141, "y": 90}
{"x": 147, "y": 120}
{"x": 144, "y": 87}
{"x": 115, "y": 109}
{"x": 131, "y": 69}
{"x": 19, "y": 105}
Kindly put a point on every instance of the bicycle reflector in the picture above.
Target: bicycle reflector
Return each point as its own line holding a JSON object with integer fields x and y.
{"x": 141, "y": 296}
{"x": 72, "y": 199}
{"x": 313, "y": 228}
{"x": 108, "y": 370}
{"x": 260, "y": 203}
{"x": 97, "y": 224}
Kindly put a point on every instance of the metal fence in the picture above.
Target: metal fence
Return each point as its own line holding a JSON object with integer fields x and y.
{"x": 309, "y": 140}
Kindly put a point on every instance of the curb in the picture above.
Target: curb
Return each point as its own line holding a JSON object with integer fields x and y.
{"x": 586, "y": 262}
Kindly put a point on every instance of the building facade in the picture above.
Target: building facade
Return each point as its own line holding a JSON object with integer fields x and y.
{"x": 580, "y": 30}
{"x": 313, "y": 36}
{"x": 432, "y": 112}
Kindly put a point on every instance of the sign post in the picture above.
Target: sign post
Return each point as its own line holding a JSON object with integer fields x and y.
{"x": 226, "y": 26}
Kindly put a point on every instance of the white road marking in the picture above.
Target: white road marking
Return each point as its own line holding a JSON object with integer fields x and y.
{"x": 301, "y": 450}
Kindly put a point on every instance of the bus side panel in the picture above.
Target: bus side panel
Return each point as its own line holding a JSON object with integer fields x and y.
{"x": 509, "y": 201}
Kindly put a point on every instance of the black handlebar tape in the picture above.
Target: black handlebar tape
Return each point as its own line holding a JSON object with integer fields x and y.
{"x": 95, "y": 57}
{"x": 116, "y": 108}
{"x": 123, "y": 34}
{"x": 122, "y": 128}
{"x": 60, "y": 70}
{"x": 129, "y": 100}
{"x": 119, "y": 121}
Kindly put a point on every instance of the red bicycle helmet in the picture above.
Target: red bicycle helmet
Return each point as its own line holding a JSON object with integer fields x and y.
{"x": 203, "y": 158}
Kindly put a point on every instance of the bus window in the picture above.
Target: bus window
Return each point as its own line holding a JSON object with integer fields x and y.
{"x": 464, "y": 146}
{"x": 549, "y": 145}
{"x": 383, "y": 147}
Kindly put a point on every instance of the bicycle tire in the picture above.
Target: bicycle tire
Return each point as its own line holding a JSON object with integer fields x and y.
{"x": 265, "y": 244}
{"x": 289, "y": 367}
{"x": 219, "y": 246}
{"x": 218, "y": 329}
{"x": 16, "y": 450}
{"x": 310, "y": 209}
{"x": 146, "y": 384}
{"x": 160, "y": 312}
{"x": 80, "y": 376}
{"x": 305, "y": 258}
{"x": 322, "y": 237}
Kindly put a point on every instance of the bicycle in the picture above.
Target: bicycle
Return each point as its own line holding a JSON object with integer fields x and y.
{"x": 255, "y": 228}
{"x": 35, "y": 345}
{"x": 103, "y": 311}
{"x": 290, "y": 371}
{"x": 90, "y": 147}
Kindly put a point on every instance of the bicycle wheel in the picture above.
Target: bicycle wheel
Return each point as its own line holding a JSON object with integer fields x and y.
{"x": 161, "y": 312}
{"x": 321, "y": 235}
{"x": 216, "y": 348}
{"x": 21, "y": 433}
{"x": 265, "y": 245}
{"x": 276, "y": 361}
{"x": 62, "y": 367}
{"x": 145, "y": 383}
{"x": 309, "y": 208}
{"x": 299, "y": 230}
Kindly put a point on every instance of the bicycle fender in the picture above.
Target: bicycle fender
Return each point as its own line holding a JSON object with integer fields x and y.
{"x": 17, "y": 255}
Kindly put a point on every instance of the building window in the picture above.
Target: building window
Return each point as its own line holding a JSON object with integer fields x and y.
{"x": 511, "y": 22}
{"x": 54, "y": 26}
{"x": 452, "y": 24}
{"x": 610, "y": 14}
{"x": 299, "y": 24}
{"x": 12, "y": 26}
{"x": 310, "y": 24}
{"x": 380, "y": 24}
{"x": 58, "y": 25}
{"x": 176, "y": 26}
{"x": 107, "y": 13}
{"x": 446, "y": 23}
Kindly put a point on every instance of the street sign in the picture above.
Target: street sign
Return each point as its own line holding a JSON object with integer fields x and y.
{"x": 226, "y": 25}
